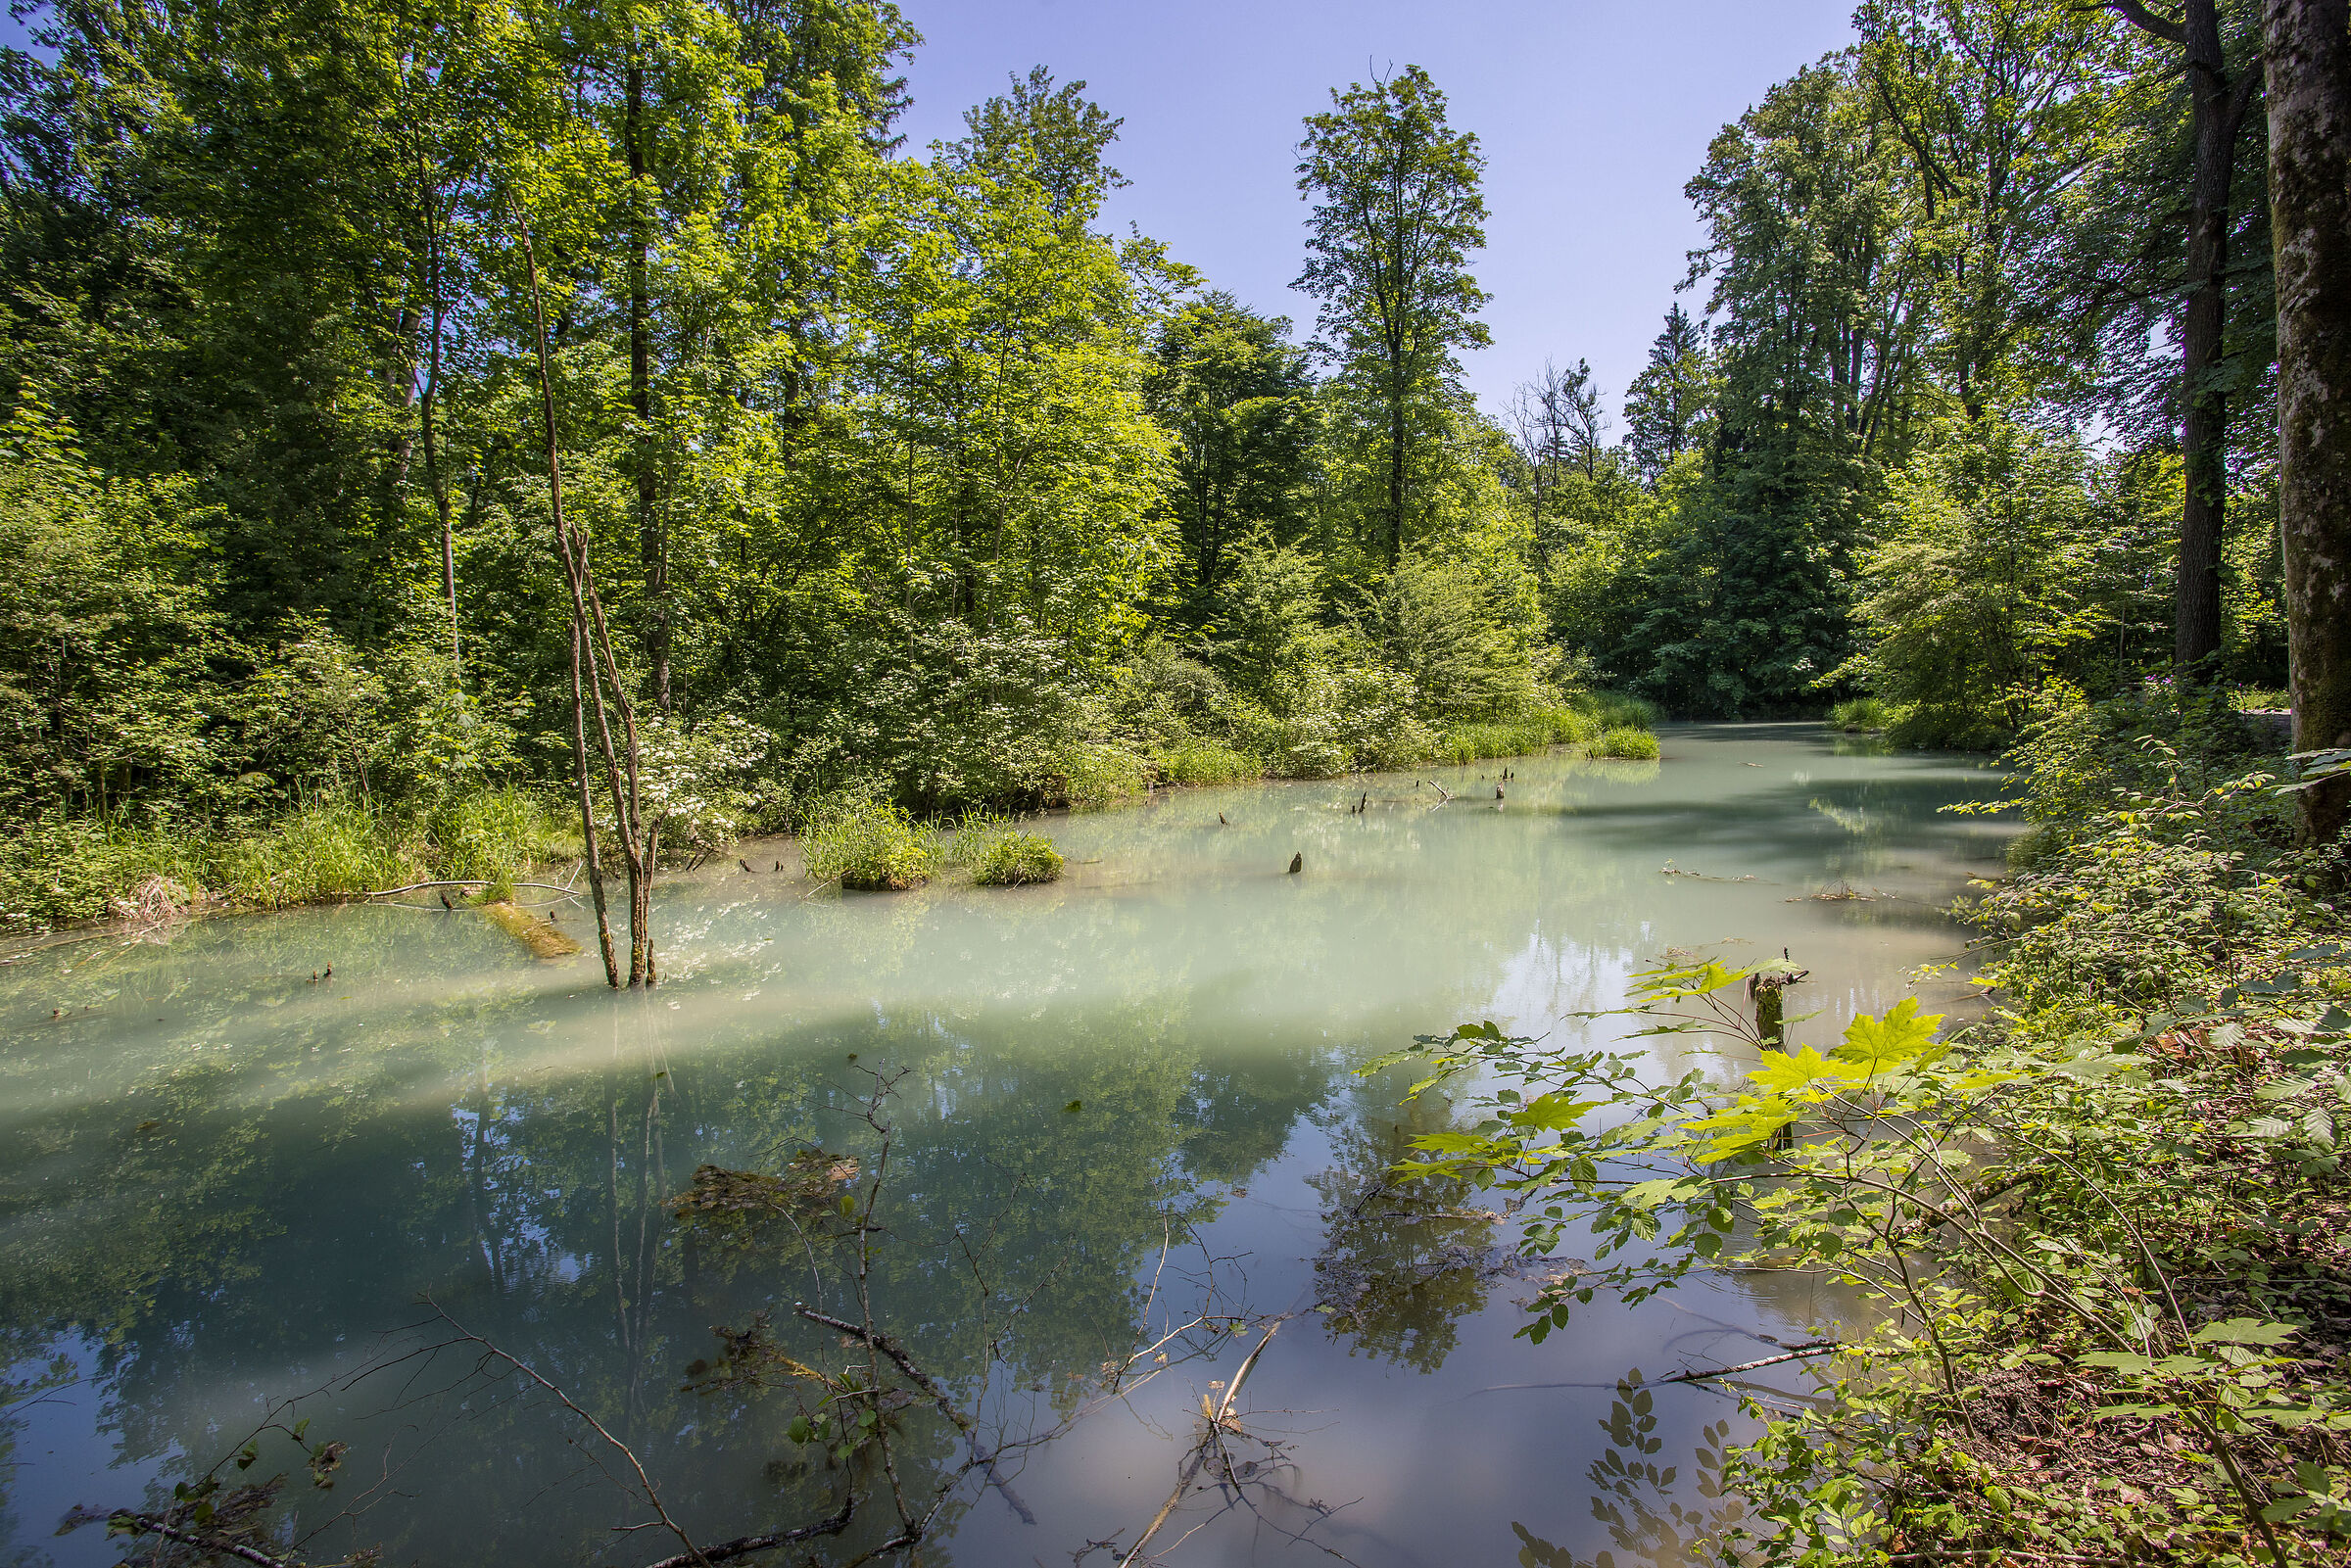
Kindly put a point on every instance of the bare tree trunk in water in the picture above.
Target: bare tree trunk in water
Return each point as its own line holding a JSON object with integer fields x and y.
{"x": 588, "y": 846}
{"x": 2307, "y": 49}
{"x": 589, "y": 626}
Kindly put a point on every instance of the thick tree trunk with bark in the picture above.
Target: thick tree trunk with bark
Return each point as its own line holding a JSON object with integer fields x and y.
{"x": 2307, "y": 49}
{"x": 2216, "y": 115}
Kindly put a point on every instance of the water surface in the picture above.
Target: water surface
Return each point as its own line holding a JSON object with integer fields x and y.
{"x": 1127, "y": 1098}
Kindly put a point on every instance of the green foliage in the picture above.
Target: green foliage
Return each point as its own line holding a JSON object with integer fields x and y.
{"x": 867, "y": 846}
{"x": 1016, "y": 860}
{"x": 1637, "y": 746}
{"x": 1396, "y": 215}
{"x": 62, "y": 868}
{"x": 1091, "y": 774}
{"x": 1976, "y": 585}
{"x": 1203, "y": 762}
{"x": 1862, "y": 715}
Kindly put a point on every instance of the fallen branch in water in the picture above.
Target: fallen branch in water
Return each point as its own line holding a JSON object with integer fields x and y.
{"x": 747, "y": 1545}
{"x": 1795, "y": 1353}
{"x": 981, "y": 1457}
{"x": 147, "y": 1524}
{"x": 1211, "y": 1435}
{"x": 468, "y": 881}
{"x": 653, "y": 1495}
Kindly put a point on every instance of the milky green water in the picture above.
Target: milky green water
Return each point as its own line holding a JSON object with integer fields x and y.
{"x": 1127, "y": 1098}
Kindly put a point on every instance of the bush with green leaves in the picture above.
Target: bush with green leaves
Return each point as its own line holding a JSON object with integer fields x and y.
{"x": 1203, "y": 762}
{"x": 867, "y": 846}
{"x": 2011, "y": 1197}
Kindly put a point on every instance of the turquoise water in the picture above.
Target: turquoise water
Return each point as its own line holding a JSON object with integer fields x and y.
{"x": 1118, "y": 1102}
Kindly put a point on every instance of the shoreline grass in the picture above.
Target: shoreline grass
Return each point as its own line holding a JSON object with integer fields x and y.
{"x": 63, "y": 872}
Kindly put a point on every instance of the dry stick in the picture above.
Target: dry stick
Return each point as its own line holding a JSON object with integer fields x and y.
{"x": 1216, "y": 1420}
{"x": 587, "y": 614}
{"x": 149, "y": 1524}
{"x": 652, "y": 1494}
{"x": 982, "y": 1456}
{"x": 1795, "y": 1353}
{"x": 468, "y": 881}
{"x": 745, "y": 1545}
{"x": 571, "y": 576}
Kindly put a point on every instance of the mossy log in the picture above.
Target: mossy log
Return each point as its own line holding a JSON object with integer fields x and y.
{"x": 538, "y": 935}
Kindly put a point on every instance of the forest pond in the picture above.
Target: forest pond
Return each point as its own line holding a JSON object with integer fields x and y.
{"x": 1128, "y": 1099}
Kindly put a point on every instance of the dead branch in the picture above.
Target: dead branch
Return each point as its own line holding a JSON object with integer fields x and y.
{"x": 652, "y": 1494}
{"x": 1795, "y": 1353}
{"x": 747, "y": 1545}
{"x": 148, "y": 1524}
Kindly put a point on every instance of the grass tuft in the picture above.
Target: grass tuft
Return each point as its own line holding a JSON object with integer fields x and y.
{"x": 1862, "y": 715}
{"x": 869, "y": 847}
{"x": 1016, "y": 860}
{"x": 1633, "y": 745}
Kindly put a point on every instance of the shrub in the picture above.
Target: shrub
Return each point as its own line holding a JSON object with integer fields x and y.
{"x": 1862, "y": 715}
{"x": 868, "y": 846}
{"x": 1017, "y": 858}
{"x": 327, "y": 848}
{"x": 1634, "y": 746}
{"x": 1616, "y": 710}
{"x": 1203, "y": 762}
{"x": 1093, "y": 776}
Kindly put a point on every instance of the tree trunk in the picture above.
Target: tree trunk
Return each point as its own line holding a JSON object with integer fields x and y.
{"x": 434, "y": 479}
{"x": 2216, "y": 116}
{"x": 589, "y": 626}
{"x": 2216, "y": 113}
{"x": 2307, "y": 48}
{"x": 1396, "y": 470}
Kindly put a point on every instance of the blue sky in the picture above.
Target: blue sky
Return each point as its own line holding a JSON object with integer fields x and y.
{"x": 1591, "y": 115}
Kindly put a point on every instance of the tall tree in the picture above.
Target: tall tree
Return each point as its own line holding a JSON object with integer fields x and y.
{"x": 2307, "y": 46}
{"x": 1052, "y": 135}
{"x": 1396, "y": 211}
{"x": 1542, "y": 430}
{"x": 1666, "y": 407}
{"x": 2219, "y": 95}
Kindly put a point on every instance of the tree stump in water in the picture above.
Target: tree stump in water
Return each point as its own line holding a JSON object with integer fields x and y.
{"x": 1765, "y": 987}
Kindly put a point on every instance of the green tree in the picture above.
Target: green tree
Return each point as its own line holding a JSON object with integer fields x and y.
{"x": 1396, "y": 213}
{"x": 1234, "y": 394}
{"x": 1667, "y": 409}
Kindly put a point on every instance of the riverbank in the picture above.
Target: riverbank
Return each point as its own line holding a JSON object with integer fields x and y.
{"x": 67, "y": 871}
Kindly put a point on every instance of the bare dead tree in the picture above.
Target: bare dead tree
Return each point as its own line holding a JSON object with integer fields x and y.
{"x": 605, "y": 687}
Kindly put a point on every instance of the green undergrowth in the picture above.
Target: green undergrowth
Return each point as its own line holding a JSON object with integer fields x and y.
{"x": 1632, "y": 745}
{"x": 868, "y": 846}
{"x": 1318, "y": 745}
{"x": 1017, "y": 858}
{"x": 63, "y": 870}
{"x": 1862, "y": 715}
{"x": 2103, "y": 1224}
